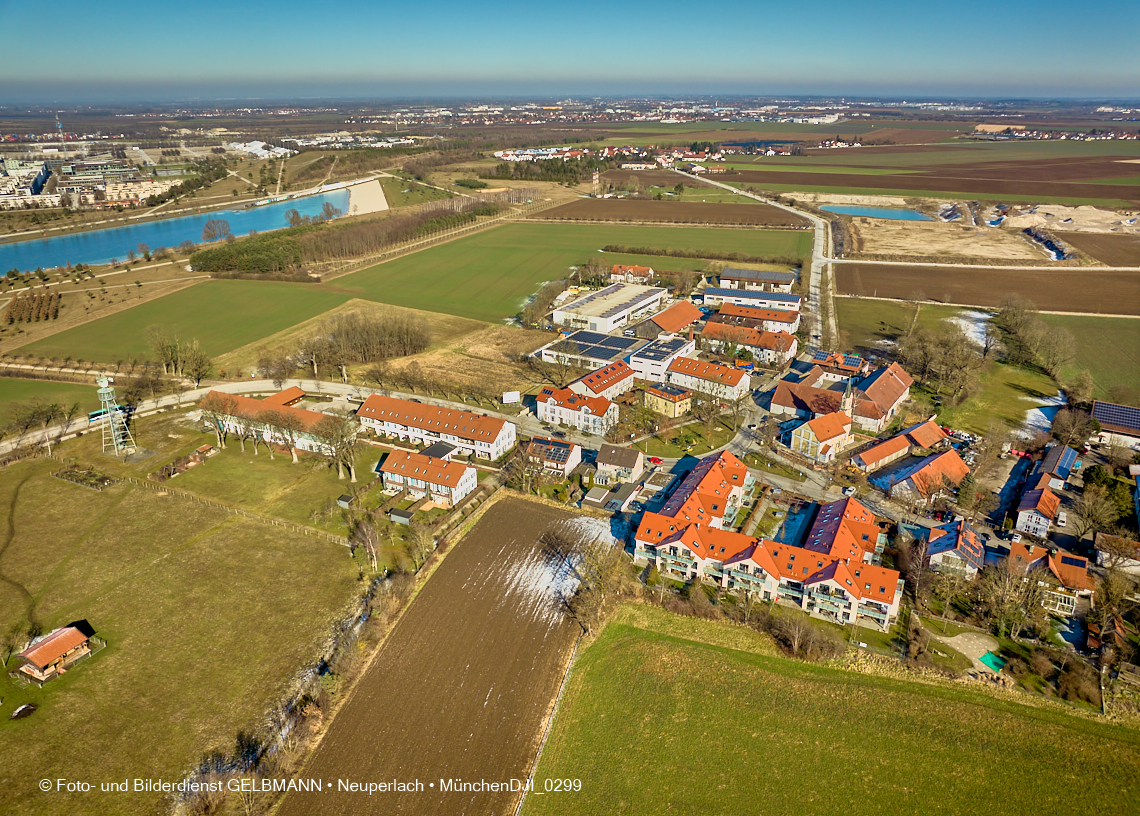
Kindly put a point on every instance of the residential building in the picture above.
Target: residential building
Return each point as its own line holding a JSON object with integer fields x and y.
{"x": 820, "y": 439}
{"x": 259, "y": 414}
{"x": 51, "y": 655}
{"x": 594, "y": 415}
{"x": 610, "y": 308}
{"x": 772, "y": 348}
{"x": 1057, "y": 464}
{"x": 924, "y": 436}
{"x": 445, "y": 482}
{"x": 927, "y": 478}
{"x": 847, "y": 529}
{"x": 871, "y": 401}
{"x": 711, "y": 493}
{"x": 1119, "y": 424}
{"x": 1118, "y": 553}
{"x": 715, "y": 296}
{"x": 1065, "y": 577}
{"x": 609, "y": 382}
{"x": 652, "y": 361}
{"x": 554, "y": 455}
{"x": 474, "y": 434}
{"x": 674, "y": 320}
{"x": 956, "y": 548}
{"x": 618, "y": 464}
{"x": 589, "y": 349}
{"x": 757, "y": 280}
{"x": 755, "y": 317}
{"x": 708, "y": 378}
{"x": 617, "y": 500}
{"x": 620, "y": 273}
{"x": 669, "y": 400}
{"x": 842, "y": 365}
{"x": 1036, "y": 511}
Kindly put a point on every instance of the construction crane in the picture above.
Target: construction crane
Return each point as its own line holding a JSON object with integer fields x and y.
{"x": 59, "y": 127}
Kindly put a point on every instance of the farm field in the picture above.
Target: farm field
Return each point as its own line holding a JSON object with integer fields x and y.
{"x": 642, "y": 710}
{"x": 675, "y": 212}
{"x": 1084, "y": 289}
{"x": 1108, "y": 347}
{"x": 869, "y": 326}
{"x": 221, "y": 314}
{"x": 206, "y": 616}
{"x": 489, "y": 275}
{"x": 461, "y": 686}
{"x": 1110, "y": 250}
{"x": 15, "y": 390}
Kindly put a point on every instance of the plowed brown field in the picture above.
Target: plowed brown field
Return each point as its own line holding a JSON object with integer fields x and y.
{"x": 1083, "y": 289}
{"x": 462, "y": 686}
{"x": 674, "y": 212}
{"x": 978, "y": 180}
{"x": 653, "y": 178}
{"x": 1111, "y": 250}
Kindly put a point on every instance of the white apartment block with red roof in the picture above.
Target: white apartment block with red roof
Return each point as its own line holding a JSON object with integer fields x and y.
{"x": 473, "y": 434}
{"x": 708, "y": 378}
{"x": 446, "y": 483}
{"x": 609, "y": 382}
{"x": 594, "y": 415}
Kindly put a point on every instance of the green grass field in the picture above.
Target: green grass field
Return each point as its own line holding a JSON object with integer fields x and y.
{"x": 489, "y": 275}
{"x": 221, "y": 314}
{"x": 865, "y": 324}
{"x": 652, "y": 724}
{"x": 1108, "y": 347}
{"x": 14, "y": 390}
{"x": 401, "y": 192}
{"x": 206, "y": 616}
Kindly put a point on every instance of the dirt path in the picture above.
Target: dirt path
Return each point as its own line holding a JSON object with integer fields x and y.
{"x": 9, "y": 535}
{"x": 462, "y": 686}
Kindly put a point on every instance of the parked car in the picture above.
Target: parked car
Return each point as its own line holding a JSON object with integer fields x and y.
{"x": 560, "y": 434}
{"x": 849, "y": 490}
{"x": 1062, "y": 518}
{"x": 1015, "y": 538}
{"x": 655, "y": 460}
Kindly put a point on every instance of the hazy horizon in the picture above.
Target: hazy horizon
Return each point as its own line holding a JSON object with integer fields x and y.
{"x": 213, "y": 51}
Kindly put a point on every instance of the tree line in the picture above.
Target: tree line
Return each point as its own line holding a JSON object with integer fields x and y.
{"x": 179, "y": 357}
{"x": 354, "y": 337}
{"x": 290, "y": 250}
{"x": 711, "y": 254}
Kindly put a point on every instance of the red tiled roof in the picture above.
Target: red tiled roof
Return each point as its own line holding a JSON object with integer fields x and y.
{"x": 885, "y": 386}
{"x": 462, "y": 424}
{"x": 926, "y": 434}
{"x": 748, "y": 336}
{"x": 53, "y": 647}
{"x": 757, "y": 313}
{"x": 676, "y": 317}
{"x": 289, "y": 395}
{"x": 703, "y": 495}
{"x": 1041, "y": 499}
{"x": 638, "y": 271}
{"x": 248, "y": 406}
{"x": 830, "y": 426}
{"x": 708, "y": 371}
{"x": 803, "y": 397}
{"x": 896, "y": 444}
{"x": 843, "y": 529}
{"x": 928, "y": 478}
{"x": 565, "y": 398}
{"x": 668, "y": 397}
{"x": 425, "y": 468}
{"x": 1074, "y": 575}
{"x": 598, "y": 381}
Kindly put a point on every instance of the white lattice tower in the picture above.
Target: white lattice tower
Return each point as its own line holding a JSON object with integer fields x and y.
{"x": 116, "y": 435}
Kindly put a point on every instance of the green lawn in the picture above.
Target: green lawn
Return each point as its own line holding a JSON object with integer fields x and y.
{"x": 14, "y": 390}
{"x": 206, "y": 617}
{"x": 489, "y": 275}
{"x": 1006, "y": 392}
{"x": 655, "y": 724}
{"x": 692, "y": 437}
{"x": 865, "y": 324}
{"x": 222, "y": 314}
{"x": 401, "y": 192}
{"x": 1108, "y": 347}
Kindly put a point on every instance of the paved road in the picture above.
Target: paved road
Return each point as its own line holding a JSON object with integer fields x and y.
{"x": 819, "y": 257}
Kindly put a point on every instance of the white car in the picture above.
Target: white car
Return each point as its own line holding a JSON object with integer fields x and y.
{"x": 1015, "y": 538}
{"x": 1062, "y": 519}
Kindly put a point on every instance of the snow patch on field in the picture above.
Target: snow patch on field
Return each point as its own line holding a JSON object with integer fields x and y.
{"x": 541, "y": 584}
{"x": 1040, "y": 418}
{"x": 973, "y": 323}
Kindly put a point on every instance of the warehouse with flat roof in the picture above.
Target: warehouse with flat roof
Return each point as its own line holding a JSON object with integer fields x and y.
{"x": 610, "y": 308}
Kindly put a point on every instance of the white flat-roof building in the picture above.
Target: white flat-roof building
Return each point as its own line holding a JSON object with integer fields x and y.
{"x": 748, "y": 297}
{"x": 610, "y": 308}
{"x": 651, "y": 362}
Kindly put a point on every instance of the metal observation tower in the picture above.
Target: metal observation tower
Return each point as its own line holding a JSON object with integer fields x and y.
{"x": 116, "y": 435}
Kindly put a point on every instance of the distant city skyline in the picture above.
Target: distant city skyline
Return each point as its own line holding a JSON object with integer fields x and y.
{"x": 212, "y": 50}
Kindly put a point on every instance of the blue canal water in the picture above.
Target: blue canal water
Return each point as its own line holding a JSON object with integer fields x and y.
{"x": 880, "y": 212}
{"x": 100, "y": 246}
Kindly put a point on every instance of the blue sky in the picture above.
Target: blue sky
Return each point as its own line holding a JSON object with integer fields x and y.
{"x": 209, "y": 49}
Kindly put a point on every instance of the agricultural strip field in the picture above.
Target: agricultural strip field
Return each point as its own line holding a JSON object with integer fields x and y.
{"x": 870, "y": 326}
{"x": 15, "y": 390}
{"x": 461, "y": 686}
{"x": 1110, "y": 250}
{"x": 221, "y": 314}
{"x": 1108, "y": 347}
{"x": 674, "y": 212}
{"x": 1084, "y": 289}
{"x": 489, "y": 275}
{"x": 657, "y": 724}
{"x": 206, "y": 616}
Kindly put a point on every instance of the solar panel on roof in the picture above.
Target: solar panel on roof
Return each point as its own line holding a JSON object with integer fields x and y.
{"x": 1072, "y": 562}
{"x": 1112, "y": 414}
{"x": 852, "y": 360}
{"x": 587, "y": 337}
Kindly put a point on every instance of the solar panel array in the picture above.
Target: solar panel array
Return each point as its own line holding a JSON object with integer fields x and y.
{"x": 598, "y": 346}
{"x": 558, "y": 452}
{"x": 1073, "y": 562}
{"x": 1123, "y": 416}
{"x": 661, "y": 349}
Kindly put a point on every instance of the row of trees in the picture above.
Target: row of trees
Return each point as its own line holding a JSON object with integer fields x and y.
{"x": 335, "y": 434}
{"x": 177, "y": 356}
{"x": 355, "y": 337}
{"x": 32, "y": 308}
{"x": 1030, "y": 340}
{"x": 294, "y": 248}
